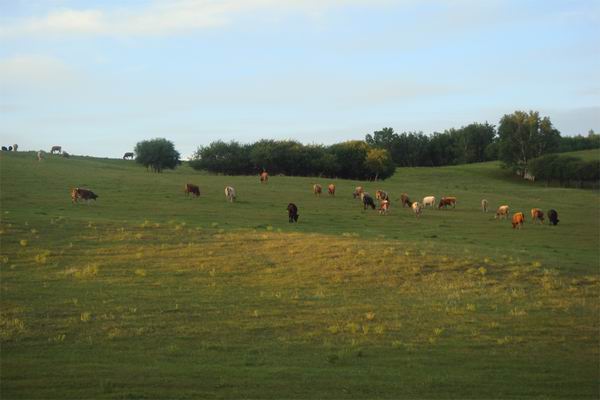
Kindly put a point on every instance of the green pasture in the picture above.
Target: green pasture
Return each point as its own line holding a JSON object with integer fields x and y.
{"x": 148, "y": 293}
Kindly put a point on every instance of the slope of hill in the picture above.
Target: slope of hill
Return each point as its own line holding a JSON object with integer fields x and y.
{"x": 149, "y": 293}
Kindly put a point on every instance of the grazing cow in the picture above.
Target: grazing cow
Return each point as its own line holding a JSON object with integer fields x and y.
{"x": 292, "y": 212}
{"x": 128, "y": 155}
{"x": 40, "y": 155}
{"x": 264, "y": 177}
{"x": 331, "y": 189}
{"x": 537, "y": 214}
{"x": 230, "y": 193}
{"x": 367, "y": 200}
{"x": 484, "y": 205}
{"x": 517, "y": 220}
{"x": 384, "y": 207}
{"x": 65, "y": 154}
{"x": 553, "y": 217}
{"x": 4, "y": 148}
{"x": 428, "y": 201}
{"x": 9, "y": 148}
{"x": 405, "y": 200}
{"x": 189, "y": 188}
{"x": 84, "y": 194}
{"x": 358, "y": 191}
{"x": 381, "y": 195}
{"x": 15, "y": 147}
{"x": 502, "y": 212}
{"x": 417, "y": 208}
{"x": 57, "y": 149}
{"x": 317, "y": 189}
{"x": 447, "y": 201}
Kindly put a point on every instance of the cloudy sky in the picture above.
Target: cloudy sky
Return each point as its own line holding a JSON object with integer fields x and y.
{"x": 97, "y": 76}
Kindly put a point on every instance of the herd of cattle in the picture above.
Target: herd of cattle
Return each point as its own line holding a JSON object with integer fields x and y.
{"x": 503, "y": 212}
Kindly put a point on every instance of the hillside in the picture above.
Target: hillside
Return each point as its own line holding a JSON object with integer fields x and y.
{"x": 147, "y": 293}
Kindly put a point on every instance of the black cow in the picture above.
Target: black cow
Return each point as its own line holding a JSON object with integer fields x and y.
{"x": 292, "y": 212}
{"x": 4, "y": 148}
{"x": 553, "y": 217}
{"x": 368, "y": 201}
{"x": 83, "y": 194}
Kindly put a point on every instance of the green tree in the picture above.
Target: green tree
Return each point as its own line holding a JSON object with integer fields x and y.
{"x": 228, "y": 158}
{"x": 524, "y": 136}
{"x": 379, "y": 164}
{"x": 157, "y": 154}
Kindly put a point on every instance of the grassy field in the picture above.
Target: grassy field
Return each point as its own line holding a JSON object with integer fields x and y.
{"x": 150, "y": 294}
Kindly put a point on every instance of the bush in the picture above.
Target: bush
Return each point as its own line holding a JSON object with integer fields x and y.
{"x": 157, "y": 154}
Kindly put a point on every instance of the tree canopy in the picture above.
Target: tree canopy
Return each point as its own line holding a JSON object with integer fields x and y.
{"x": 157, "y": 154}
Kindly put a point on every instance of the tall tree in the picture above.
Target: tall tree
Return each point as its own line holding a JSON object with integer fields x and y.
{"x": 157, "y": 154}
{"x": 524, "y": 136}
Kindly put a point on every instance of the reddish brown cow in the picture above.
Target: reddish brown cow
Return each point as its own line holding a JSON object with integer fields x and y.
{"x": 537, "y": 215}
{"x": 517, "y": 220}
{"x": 331, "y": 189}
{"x": 193, "y": 189}
{"x": 405, "y": 200}
{"x": 84, "y": 194}
{"x": 264, "y": 177}
{"x": 447, "y": 201}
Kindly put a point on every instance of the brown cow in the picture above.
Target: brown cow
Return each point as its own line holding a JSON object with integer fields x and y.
{"x": 189, "y": 188}
{"x": 381, "y": 195}
{"x": 405, "y": 200}
{"x": 317, "y": 189}
{"x": 537, "y": 214}
{"x": 517, "y": 220}
{"x": 264, "y": 177}
{"x": 84, "y": 194}
{"x": 384, "y": 207}
{"x": 502, "y": 211}
{"x": 358, "y": 191}
{"x": 331, "y": 189}
{"x": 447, "y": 201}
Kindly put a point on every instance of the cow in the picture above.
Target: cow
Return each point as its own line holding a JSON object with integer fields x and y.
{"x": 292, "y": 212}
{"x": 65, "y": 154}
{"x": 331, "y": 189}
{"x": 230, "y": 193}
{"x": 537, "y": 215}
{"x": 405, "y": 200}
{"x": 10, "y": 148}
{"x": 4, "y": 148}
{"x": 417, "y": 208}
{"x": 189, "y": 188}
{"x": 484, "y": 205}
{"x": 358, "y": 191}
{"x": 264, "y": 177}
{"x": 40, "y": 155}
{"x": 553, "y": 217}
{"x": 84, "y": 194}
{"x": 317, "y": 189}
{"x": 15, "y": 147}
{"x": 447, "y": 201}
{"x": 517, "y": 220}
{"x": 57, "y": 149}
{"x": 428, "y": 201}
{"x": 128, "y": 155}
{"x": 502, "y": 212}
{"x": 367, "y": 200}
{"x": 384, "y": 207}
{"x": 381, "y": 195}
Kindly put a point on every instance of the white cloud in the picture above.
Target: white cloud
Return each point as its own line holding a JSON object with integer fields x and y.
{"x": 34, "y": 71}
{"x": 163, "y": 17}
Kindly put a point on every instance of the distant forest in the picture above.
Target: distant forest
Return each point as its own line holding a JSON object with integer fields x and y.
{"x": 519, "y": 138}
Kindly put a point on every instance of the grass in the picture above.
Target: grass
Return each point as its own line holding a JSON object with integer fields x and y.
{"x": 149, "y": 294}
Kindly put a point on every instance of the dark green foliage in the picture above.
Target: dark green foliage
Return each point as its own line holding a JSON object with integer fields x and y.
{"x": 579, "y": 142}
{"x": 524, "y": 136}
{"x": 219, "y": 157}
{"x": 157, "y": 154}
{"x": 565, "y": 169}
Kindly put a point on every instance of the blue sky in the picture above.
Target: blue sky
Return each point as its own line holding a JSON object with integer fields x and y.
{"x": 98, "y": 76}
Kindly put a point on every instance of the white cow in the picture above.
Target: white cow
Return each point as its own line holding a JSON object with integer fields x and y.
{"x": 230, "y": 193}
{"x": 429, "y": 201}
{"x": 484, "y": 205}
{"x": 503, "y": 211}
{"x": 40, "y": 155}
{"x": 417, "y": 208}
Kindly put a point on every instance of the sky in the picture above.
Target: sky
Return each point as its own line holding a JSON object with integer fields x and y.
{"x": 98, "y": 76}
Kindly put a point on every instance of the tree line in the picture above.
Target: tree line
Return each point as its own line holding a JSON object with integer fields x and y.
{"x": 566, "y": 170}
{"x": 351, "y": 160}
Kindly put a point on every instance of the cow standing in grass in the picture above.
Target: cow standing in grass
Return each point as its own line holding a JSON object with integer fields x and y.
{"x": 358, "y": 191}
{"x": 317, "y": 189}
{"x": 484, "y": 205}
{"x": 405, "y": 200}
{"x": 381, "y": 195}
{"x": 517, "y": 220}
{"x": 292, "y": 212}
{"x": 384, "y": 207}
{"x": 428, "y": 201}
{"x": 447, "y": 201}
{"x": 230, "y": 193}
{"x": 367, "y": 200}
{"x": 193, "y": 189}
{"x": 502, "y": 212}
{"x": 553, "y": 217}
{"x": 264, "y": 177}
{"x": 417, "y": 208}
{"x": 128, "y": 155}
{"x": 331, "y": 189}
{"x": 84, "y": 194}
{"x": 537, "y": 215}
{"x": 56, "y": 149}
{"x": 40, "y": 155}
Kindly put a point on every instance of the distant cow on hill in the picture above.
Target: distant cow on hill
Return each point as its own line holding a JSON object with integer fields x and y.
{"x": 264, "y": 177}
{"x": 84, "y": 194}
{"x": 292, "y": 212}
{"x": 65, "y": 154}
{"x": 230, "y": 193}
{"x": 56, "y": 149}
{"x": 40, "y": 155}
{"x": 4, "y": 148}
{"x": 331, "y": 189}
{"x": 128, "y": 155}
{"x": 15, "y": 147}
{"x": 193, "y": 189}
